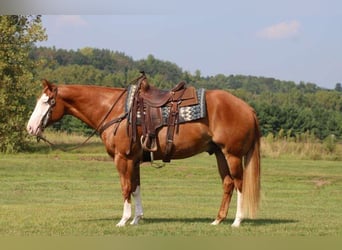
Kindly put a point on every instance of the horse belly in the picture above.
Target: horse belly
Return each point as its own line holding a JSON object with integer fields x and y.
{"x": 191, "y": 138}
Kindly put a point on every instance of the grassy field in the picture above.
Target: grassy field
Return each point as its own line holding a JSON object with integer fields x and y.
{"x": 53, "y": 193}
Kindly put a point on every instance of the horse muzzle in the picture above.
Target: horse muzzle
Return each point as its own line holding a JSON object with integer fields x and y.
{"x": 35, "y": 131}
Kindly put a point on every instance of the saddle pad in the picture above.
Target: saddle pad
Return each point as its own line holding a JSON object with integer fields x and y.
{"x": 186, "y": 114}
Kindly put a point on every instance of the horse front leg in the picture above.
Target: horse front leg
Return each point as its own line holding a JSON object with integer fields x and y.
{"x": 130, "y": 185}
{"x": 138, "y": 207}
{"x": 137, "y": 194}
{"x": 124, "y": 167}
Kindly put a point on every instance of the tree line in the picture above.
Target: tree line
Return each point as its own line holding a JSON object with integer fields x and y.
{"x": 285, "y": 109}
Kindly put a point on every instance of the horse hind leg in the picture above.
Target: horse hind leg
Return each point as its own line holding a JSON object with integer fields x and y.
{"x": 231, "y": 172}
{"x": 227, "y": 184}
{"x": 235, "y": 166}
{"x": 239, "y": 214}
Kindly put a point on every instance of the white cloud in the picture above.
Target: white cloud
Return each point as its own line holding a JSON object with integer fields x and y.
{"x": 70, "y": 20}
{"x": 281, "y": 30}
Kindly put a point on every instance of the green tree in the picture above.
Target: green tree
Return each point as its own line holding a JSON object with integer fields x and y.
{"x": 18, "y": 34}
{"x": 296, "y": 110}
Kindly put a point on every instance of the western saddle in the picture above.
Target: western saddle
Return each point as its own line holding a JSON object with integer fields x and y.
{"x": 149, "y": 101}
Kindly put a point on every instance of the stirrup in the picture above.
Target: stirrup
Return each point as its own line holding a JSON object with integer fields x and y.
{"x": 144, "y": 143}
{"x": 154, "y": 164}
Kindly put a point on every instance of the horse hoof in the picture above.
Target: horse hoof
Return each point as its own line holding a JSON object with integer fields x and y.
{"x": 215, "y": 222}
{"x": 236, "y": 223}
{"x": 136, "y": 220}
{"x": 122, "y": 222}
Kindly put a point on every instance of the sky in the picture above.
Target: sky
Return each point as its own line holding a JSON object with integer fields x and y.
{"x": 294, "y": 40}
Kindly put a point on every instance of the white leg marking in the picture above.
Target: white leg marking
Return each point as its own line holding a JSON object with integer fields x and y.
{"x": 138, "y": 207}
{"x": 215, "y": 222}
{"x": 126, "y": 214}
{"x": 239, "y": 211}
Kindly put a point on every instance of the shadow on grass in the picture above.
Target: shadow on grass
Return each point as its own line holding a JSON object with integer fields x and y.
{"x": 254, "y": 222}
{"x": 264, "y": 222}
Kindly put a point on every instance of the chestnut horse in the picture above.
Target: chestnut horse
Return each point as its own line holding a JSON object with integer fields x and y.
{"x": 230, "y": 131}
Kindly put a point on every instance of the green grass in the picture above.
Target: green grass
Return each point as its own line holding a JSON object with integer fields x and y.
{"x": 78, "y": 194}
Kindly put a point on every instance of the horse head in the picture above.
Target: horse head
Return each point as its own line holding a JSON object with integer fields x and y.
{"x": 47, "y": 111}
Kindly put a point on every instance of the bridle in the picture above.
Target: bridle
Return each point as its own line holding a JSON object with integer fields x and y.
{"x": 100, "y": 128}
{"x": 52, "y": 103}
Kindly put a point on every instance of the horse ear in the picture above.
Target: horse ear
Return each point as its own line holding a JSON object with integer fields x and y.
{"x": 47, "y": 84}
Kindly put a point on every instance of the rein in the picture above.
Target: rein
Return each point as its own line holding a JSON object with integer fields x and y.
{"x": 97, "y": 129}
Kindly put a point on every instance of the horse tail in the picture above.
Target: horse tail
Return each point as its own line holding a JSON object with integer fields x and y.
{"x": 251, "y": 176}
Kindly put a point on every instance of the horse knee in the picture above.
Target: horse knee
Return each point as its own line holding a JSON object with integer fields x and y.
{"x": 126, "y": 196}
{"x": 126, "y": 189}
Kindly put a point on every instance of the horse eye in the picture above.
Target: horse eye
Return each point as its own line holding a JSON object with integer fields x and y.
{"x": 52, "y": 101}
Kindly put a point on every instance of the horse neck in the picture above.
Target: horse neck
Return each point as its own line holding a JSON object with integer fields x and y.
{"x": 90, "y": 104}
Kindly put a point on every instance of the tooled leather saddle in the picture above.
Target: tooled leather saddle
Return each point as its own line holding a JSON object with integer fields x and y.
{"x": 147, "y": 109}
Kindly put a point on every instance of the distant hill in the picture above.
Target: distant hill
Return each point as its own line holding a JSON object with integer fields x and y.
{"x": 284, "y": 108}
